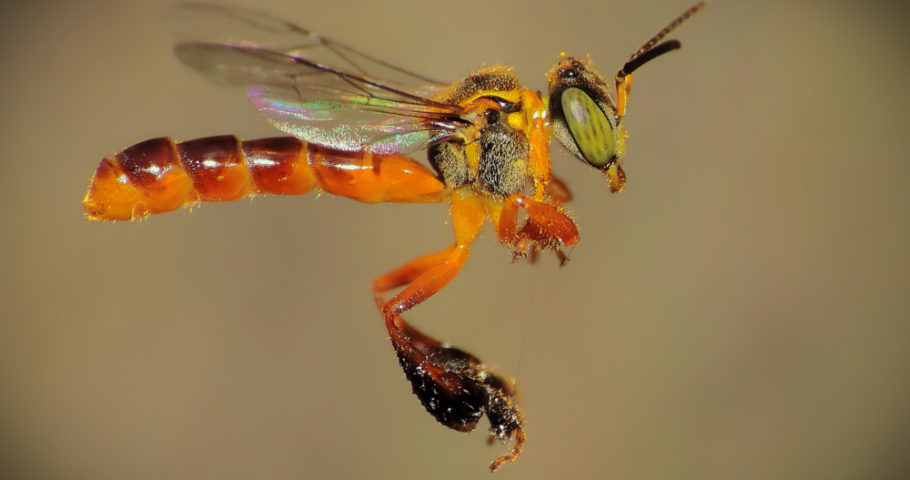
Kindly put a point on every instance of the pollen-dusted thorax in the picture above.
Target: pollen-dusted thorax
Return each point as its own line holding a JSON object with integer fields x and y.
{"x": 492, "y": 155}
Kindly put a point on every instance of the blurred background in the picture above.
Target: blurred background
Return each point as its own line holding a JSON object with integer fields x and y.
{"x": 739, "y": 311}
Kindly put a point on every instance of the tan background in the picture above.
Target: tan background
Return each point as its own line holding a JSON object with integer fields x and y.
{"x": 740, "y": 311}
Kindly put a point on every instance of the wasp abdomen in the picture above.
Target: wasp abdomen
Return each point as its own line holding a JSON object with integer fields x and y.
{"x": 160, "y": 175}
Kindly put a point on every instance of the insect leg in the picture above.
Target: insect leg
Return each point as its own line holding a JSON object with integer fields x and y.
{"x": 558, "y": 191}
{"x": 453, "y": 385}
{"x": 547, "y": 227}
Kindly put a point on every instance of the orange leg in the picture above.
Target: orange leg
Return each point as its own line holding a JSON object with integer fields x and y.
{"x": 453, "y": 385}
{"x": 558, "y": 191}
{"x": 547, "y": 227}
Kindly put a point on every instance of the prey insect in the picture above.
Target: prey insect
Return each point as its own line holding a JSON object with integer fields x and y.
{"x": 353, "y": 120}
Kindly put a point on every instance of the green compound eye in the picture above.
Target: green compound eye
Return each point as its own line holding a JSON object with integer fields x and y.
{"x": 589, "y": 126}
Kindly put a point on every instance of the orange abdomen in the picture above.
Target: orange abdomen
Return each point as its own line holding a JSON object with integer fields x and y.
{"x": 161, "y": 175}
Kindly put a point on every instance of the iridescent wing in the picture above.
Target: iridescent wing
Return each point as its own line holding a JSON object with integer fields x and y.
{"x": 345, "y": 105}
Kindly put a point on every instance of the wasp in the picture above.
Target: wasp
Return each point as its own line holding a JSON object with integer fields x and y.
{"x": 353, "y": 120}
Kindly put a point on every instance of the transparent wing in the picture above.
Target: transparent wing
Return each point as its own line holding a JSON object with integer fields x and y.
{"x": 310, "y": 86}
{"x": 209, "y": 23}
{"x": 323, "y": 105}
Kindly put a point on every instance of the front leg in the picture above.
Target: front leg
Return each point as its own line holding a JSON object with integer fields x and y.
{"x": 558, "y": 192}
{"x": 453, "y": 385}
{"x": 547, "y": 227}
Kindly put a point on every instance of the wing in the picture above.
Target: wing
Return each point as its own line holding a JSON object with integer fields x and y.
{"x": 346, "y": 107}
{"x": 202, "y": 22}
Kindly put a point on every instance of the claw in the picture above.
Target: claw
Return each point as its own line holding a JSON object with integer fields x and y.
{"x": 563, "y": 258}
{"x": 517, "y": 447}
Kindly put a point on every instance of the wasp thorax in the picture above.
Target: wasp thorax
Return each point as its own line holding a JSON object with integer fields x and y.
{"x": 503, "y": 159}
{"x": 494, "y": 162}
{"x": 450, "y": 161}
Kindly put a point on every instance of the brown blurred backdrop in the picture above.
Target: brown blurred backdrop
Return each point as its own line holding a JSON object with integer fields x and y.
{"x": 740, "y": 311}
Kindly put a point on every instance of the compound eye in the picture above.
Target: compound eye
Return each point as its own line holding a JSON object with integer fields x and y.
{"x": 590, "y": 127}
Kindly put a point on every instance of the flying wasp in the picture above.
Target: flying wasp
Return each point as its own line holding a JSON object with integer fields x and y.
{"x": 353, "y": 121}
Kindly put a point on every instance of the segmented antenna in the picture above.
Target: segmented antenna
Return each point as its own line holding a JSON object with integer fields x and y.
{"x": 666, "y": 30}
{"x": 648, "y": 55}
{"x": 649, "y": 51}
